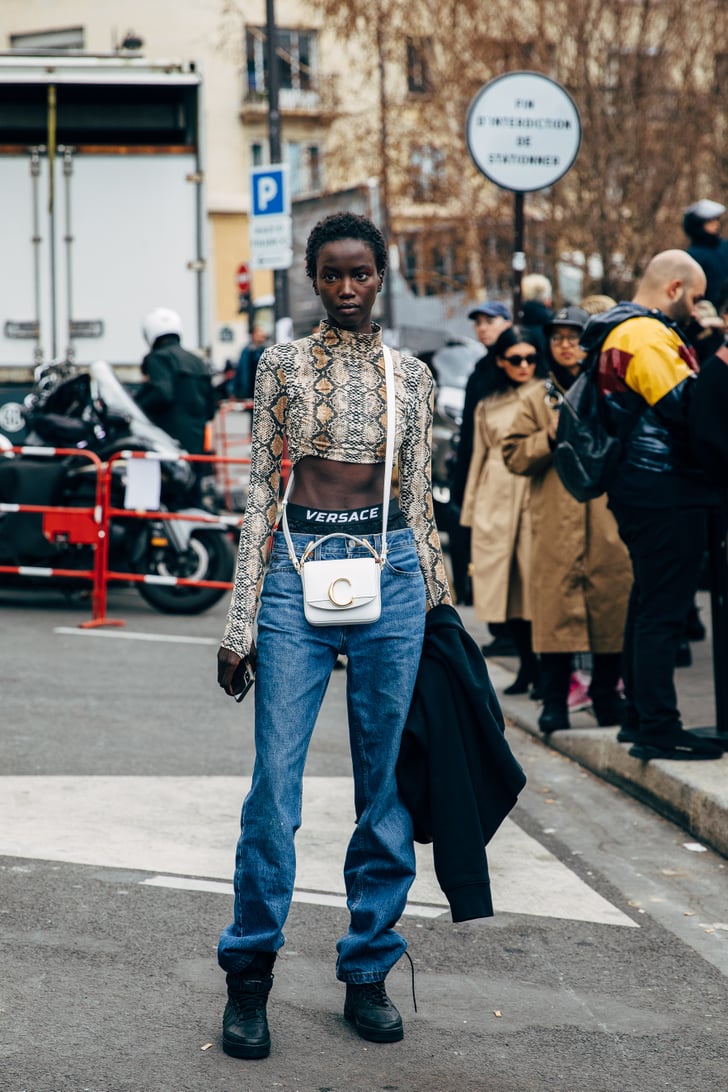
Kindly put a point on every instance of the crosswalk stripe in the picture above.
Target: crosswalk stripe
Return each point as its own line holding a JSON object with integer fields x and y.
{"x": 313, "y": 898}
{"x": 131, "y": 635}
{"x": 186, "y": 826}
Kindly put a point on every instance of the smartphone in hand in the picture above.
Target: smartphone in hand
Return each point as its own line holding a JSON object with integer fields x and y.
{"x": 243, "y": 679}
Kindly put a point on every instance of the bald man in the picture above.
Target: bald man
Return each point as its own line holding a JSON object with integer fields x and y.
{"x": 659, "y": 494}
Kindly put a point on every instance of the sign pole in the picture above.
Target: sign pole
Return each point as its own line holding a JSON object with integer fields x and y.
{"x": 280, "y": 276}
{"x": 523, "y": 132}
{"x": 519, "y": 251}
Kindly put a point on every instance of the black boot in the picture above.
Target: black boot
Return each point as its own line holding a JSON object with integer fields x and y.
{"x": 609, "y": 708}
{"x": 244, "y": 1024}
{"x": 684, "y": 655}
{"x": 695, "y": 630}
{"x": 372, "y": 1013}
{"x": 520, "y": 631}
{"x": 553, "y": 718}
{"x": 555, "y": 672}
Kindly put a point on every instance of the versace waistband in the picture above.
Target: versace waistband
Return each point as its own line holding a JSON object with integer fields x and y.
{"x": 303, "y": 519}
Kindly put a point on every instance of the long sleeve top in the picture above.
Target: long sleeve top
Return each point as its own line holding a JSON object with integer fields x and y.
{"x": 326, "y": 396}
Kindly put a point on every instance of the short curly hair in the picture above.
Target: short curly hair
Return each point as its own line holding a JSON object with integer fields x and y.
{"x": 345, "y": 225}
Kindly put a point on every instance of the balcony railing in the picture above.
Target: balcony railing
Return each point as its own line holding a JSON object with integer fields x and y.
{"x": 317, "y": 100}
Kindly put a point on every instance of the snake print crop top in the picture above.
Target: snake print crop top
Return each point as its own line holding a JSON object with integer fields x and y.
{"x": 325, "y": 395}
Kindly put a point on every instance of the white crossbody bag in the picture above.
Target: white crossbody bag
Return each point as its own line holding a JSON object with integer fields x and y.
{"x": 346, "y": 591}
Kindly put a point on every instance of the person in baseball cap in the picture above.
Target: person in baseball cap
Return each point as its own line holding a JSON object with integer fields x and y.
{"x": 563, "y": 332}
{"x": 491, "y": 309}
{"x": 571, "y": 315}
{"x": 701, "y": 224}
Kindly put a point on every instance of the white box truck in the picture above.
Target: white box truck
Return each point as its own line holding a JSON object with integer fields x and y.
{"x": 102, "y": 210}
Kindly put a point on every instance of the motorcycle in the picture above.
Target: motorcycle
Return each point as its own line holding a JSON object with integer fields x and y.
{"x": 92, "y": 411}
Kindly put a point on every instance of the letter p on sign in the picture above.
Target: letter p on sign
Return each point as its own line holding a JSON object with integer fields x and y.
{"x": 269, "y": 191}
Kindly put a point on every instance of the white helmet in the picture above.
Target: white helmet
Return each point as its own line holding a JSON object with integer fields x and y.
{"x": 160, "y": 322}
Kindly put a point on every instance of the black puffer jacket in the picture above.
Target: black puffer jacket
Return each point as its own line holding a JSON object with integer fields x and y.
{"x": 658, "y": 466}
{"x": 178, "y": 395}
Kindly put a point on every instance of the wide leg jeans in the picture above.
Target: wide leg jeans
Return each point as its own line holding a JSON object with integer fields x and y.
{"x": 295, "y": 661}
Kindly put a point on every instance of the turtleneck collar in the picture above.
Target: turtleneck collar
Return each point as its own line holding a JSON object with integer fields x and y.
{"x": 335, "y": 335}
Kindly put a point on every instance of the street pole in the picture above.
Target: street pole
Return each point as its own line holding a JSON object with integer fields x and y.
{"x": 718, "y": 554}
{"x": 388, "y": 317}
{"x": 519, "y": 253}
{"x": 280, "y": 276}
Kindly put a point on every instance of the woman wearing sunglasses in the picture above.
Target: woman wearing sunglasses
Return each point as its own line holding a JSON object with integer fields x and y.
{"x": 495, "y": 504}
{"x": 580, "y": 569}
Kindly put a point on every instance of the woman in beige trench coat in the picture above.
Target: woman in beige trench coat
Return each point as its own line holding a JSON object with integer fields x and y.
{"x": 580, "y": 574}
{"x": 495, "y": 505}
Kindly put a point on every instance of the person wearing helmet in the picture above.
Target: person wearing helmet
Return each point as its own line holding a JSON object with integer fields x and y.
{"x": 701, "y": 224}
{"x": 177, "y": 393}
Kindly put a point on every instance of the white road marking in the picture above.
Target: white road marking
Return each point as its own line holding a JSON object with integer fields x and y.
{"x": 126, "y": 635}
{"x": 313, "y": 898}
{"x": 187, "y": 827}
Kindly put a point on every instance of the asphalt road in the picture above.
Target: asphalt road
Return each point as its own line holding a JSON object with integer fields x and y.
{"x": 122, "y": 768}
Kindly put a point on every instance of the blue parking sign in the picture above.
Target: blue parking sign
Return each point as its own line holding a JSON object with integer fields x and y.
{"x": 270, "y": 190}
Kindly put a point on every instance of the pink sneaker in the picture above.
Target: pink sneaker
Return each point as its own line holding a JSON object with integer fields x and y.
{"x": 579, "y": 692}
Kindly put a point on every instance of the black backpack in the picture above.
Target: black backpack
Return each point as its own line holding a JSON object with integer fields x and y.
{"x": 587, "y": 451}
{"x": 585, "y": 455}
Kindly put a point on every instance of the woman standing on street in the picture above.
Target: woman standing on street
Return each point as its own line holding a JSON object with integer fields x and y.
{"x": 496, "y": 503}
{"x": 581, "y": 574}
{"x": 326, "y": 395}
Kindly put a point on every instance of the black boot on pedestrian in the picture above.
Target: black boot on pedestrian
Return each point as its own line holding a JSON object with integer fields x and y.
{"x": 520, "y": 632}
{"x": 609, "y": 709}
{"x": 499, "y": 646}
{"x": 245, "y": 1031}
{"x": 372, "y": 1013}
{"x": 695, "y": 630}
{"x": 522, "y": 682}
{"x": 684, "y": 655}
{"x": 629, "y": 731}
{"x": 678, "y": 744}
{"x": 554, "y": 718}
{"x": 536, "y": 691}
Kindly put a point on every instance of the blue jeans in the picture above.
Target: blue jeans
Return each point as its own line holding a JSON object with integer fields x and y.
{"x": 295, "y": 661}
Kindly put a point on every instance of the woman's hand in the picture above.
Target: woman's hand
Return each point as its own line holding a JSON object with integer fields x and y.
{"x": 228, "y": 663}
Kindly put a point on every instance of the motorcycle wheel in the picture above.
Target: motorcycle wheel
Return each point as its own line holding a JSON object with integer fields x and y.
{"x": 210, "y": 557}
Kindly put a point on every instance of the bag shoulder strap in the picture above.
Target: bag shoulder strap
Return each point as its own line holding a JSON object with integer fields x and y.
{"x": 388, "y": 464}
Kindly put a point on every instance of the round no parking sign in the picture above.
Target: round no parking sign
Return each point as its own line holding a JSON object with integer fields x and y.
{"x": 523, "y": 131}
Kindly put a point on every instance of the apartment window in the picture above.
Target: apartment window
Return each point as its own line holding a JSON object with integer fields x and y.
{"x": 304, "y": 160}
{"x": 62, "y": 38}
{"x": 721, "y": 74}
{"x": 258, "y": 155}
{"x": 409, "y": 262}
{"x": 637, "y": 69}
{"x": 428, "y": 173}
{"x": 295, "y": 57}
{"x": 507, "y": 54}
{"x": 315, "y": 167}
{"x": 433, "y": 265}
{"x": 419, "y": 75}
{"x": 641, "y": 76}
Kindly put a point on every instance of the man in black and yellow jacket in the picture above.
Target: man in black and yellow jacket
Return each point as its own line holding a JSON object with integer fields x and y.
{"x": 659, "y": 495}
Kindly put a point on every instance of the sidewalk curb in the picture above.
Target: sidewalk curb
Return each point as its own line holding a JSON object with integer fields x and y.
{"x": 692, "y": 794}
